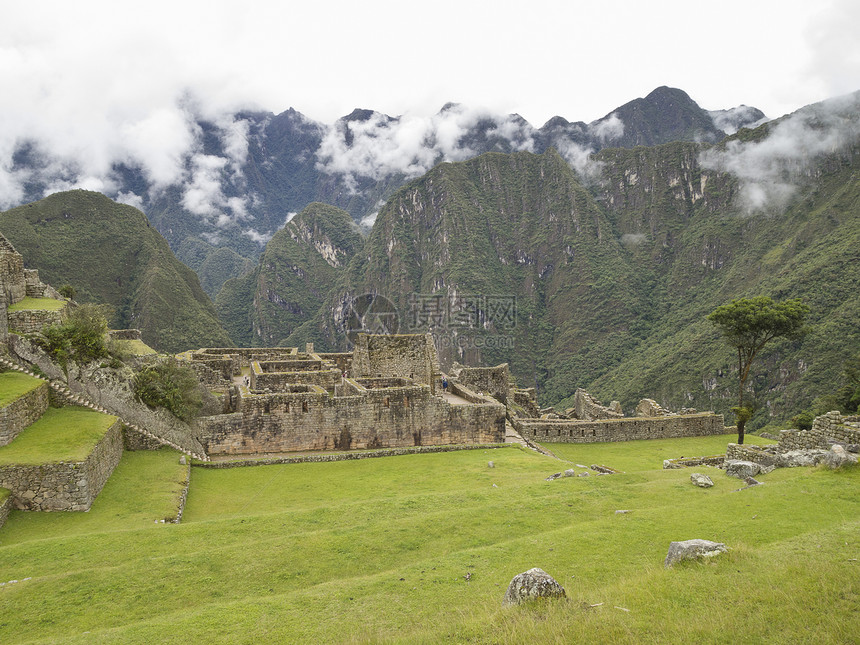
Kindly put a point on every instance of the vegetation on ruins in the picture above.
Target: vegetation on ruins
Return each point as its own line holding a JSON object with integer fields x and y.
{"x": 748, "y": 324}
{"x": 264, "y": 554}
{"x": 80, "y": 338}
{"x": 170, "y": 385}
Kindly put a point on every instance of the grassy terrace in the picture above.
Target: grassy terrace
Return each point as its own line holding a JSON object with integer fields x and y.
{"x": 379, "y": 551}
{"x": 62, "y": 434}
{"x": 47, "y": 304}
{"x": 14, "y": 385}
{"x": 135, "y": 347}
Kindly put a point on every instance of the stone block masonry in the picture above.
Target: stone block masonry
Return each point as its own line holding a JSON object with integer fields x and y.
{"x": 23, "y": 411}
{"x": 624, "y": 429}
{"x": 64, "y": 486}
{"x": 28, "y": 321}
{"x": 5, "y": 505}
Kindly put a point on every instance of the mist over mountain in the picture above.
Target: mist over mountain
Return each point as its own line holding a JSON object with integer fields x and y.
{"x": 208, "y": 181}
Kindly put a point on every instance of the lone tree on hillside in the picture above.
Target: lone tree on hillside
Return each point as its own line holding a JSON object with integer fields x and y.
{"x": 748, "y": 324}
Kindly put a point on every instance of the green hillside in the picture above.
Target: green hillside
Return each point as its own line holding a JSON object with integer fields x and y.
{"x": 110, "y": 254}
{"x": 297, "y": 271}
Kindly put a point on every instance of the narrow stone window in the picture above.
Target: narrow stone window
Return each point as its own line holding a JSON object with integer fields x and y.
{"x": 267, "y": 407}
{"x": 406, "y": 401}
{"x": 304, "y": 406}
{"x": 385, "y": 402}
{"x": 287, "y": 406}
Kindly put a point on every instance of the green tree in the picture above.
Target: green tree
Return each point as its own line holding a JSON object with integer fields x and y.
{"x": 169, "y": 385}
{"x": 80, "y": 338}
{"x": 748, "y": 324}
{"x": 848, "y": 395}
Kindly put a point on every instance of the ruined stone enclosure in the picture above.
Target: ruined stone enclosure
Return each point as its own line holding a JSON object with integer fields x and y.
{"x": 382, "y": 395}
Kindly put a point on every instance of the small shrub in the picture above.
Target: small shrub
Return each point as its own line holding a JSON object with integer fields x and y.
{"x": 68, "y": 291}
{"x": 81, "y": 338}
{"x": 171, "y": 386}
{"x": 803, "y": 421}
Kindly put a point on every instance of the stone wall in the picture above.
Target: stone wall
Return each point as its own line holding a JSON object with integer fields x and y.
{"x": 124, "y": 334}
{"x": 22, "y": 412}
{"x": 764, "y": 455}
{"x": 588, "y": 408}
{"x": 64, "y": 486}
{"x": 375, "y": 418}
{"x": 261, "y": 380}
{"x": 28, "y": 321}
{"x": 135, "y": 441}
{"x": 341, "y": 360}
{"x": 625, "y": 429}
{"x": 494, "y": 381}
{"x": 410, "y": 356}
{"x": 12, "y": 281}
{"x": 825, "y": 429}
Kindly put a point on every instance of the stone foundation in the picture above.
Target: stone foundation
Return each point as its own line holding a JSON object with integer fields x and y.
{"x": 5, "y": 505}
{"x": 64, "y": 486}
{"x": 28, "y": 321}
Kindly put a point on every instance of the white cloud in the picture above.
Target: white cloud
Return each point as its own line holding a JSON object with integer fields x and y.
{"x": 730, "y": 121}
{"x": 411, "y": 145}
{"x": 131, "y": 199}
{"x": 259, "y": 238}
{"x": 770, "y": 170}
{"x": 369, "y": 220}
{"x": 609, "y": 129}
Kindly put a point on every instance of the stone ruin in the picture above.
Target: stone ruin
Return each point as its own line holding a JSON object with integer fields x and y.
{"x": 833, "y": 438}
{"x": 385, "y": 394}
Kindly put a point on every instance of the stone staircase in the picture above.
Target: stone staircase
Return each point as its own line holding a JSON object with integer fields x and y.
{"x": 62, "y": 390}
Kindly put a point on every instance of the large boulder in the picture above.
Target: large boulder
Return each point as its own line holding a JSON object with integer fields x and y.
{"x": 837, "y": 457}
{"x": 741, "y": 469}
{"x": 692, "y": 549}
{"x": 700, "y": 480}
{"x": 796, "y": 458}
{"x": 531, "y": 585}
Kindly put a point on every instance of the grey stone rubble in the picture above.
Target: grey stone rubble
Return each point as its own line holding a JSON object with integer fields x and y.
{"x": 692, "y": 550}
{"x": 703, "y": 481}
{"x": 743, "y": 469}
{"x": 531, "y": 585}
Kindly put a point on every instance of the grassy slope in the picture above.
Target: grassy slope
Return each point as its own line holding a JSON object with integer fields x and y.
{"x": 111, "y": 254}
{"x": 61, "y": 434}
{"x": 14, "y": 385}
{"x": 290, "y": 553}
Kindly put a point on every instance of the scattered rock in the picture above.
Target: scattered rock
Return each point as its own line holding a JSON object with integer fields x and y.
{"x": 570, "y": 472}
{"x": 837, "y": 457}
{"x": 580, "y": 466}
{"x": 668, "y": 465}
{"x": 553, "y": 476}
{"x": 182, "y": 460}
{"x": 700, "y": 480}
{"x": 691, "y": 550}
{"x": 752, "y": 482}
{"x": 531, "y": 585}
{"x": 741, "y": 469}
{"x": 491, "y": 464}
{"x": 622, "y": 512}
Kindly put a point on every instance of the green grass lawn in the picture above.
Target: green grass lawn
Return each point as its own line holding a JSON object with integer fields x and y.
{"x": 14, "y": 385}
{"x": 379, "y": 550}
{"x": 61, "y": 434}
{"x": 47, "y": 304}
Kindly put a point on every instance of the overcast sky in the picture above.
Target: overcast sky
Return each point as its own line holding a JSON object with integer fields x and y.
{"x": 65, "y": 60}
{"x": 96, "y": 82}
